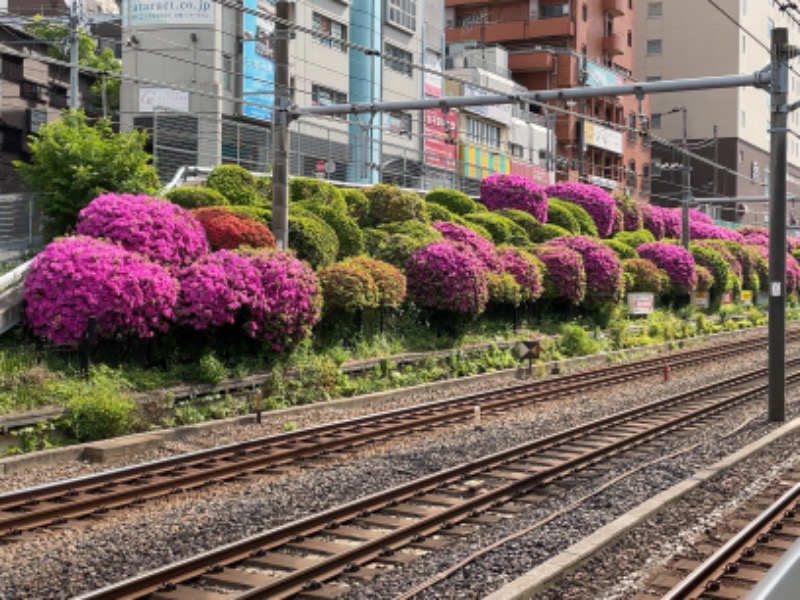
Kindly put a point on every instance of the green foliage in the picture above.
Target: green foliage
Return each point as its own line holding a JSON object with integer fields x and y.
{"x": 358, "y": 205}
{"x": 321, "y": 191}
{"x": 585, "y": 221}
{"x": 642, "y": 275}
{"x": 621, "y": 249}
{"x": 502, "y": 229}
{"x": 393, "y": 248}
{"x": 72, "y": 162}
{"x": 196, "y": 196}
{"x": 455, "y": 201}
{"x": 574, "y": 340}
{"x": 504, "y": 289}
{"x": 525, "y": 220}
{"x": 210, "y": 369}
{"x": 264, "y": 189}
{"x": 422, "y": 232}
{"x": 264, "y": 215}
{"x": 713, "y": 261}
{"x": 347, "y": 287}
{"x": 306, "y": 379}
{"x": 559, "y": 214}
{"x": 546, "y": 231}
{"x": 349, "y": 234}
{"x": 389, "y": 203}
{"x": 634, "y": 239}
{"x": 36, "y": 437}
{"x": 236, "y": 183}
{"x": 313, "y": 240}
{"x": 437, "y": 212}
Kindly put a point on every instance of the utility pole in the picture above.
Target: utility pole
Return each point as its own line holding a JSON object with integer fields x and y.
{"x": 75, "y": 16}
{"x": 284, "y": 11}
{"x": 687, "y": 183}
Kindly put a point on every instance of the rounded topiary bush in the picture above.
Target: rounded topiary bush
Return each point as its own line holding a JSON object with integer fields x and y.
{"x": 196, "y": 196}
{"x": 444, "y": 276}
{"x": 676, "y": 261}
{"x": 349, "y": 234}
{"x": 704, "y": 231}
{"x": 423, "y": 233}
{"x": 390, "y": 280}
{"x": 595, "y": 200}
{"x": 347, "y": 287}
{"x": 559, "y": 214}
{"x": 318, "y": 190}
{"x": 525, "y": 220}
{"x": 216, "y": 289}
{"x": 622, "y": 250}
{"x": 500, "y": 191}
{"x": 754, "y": 235}
{"x": 585, "y": 221}
{"x": 474, "y": 243}
{"x": 161, "y": 230}
{"x": 696, "y": 216}
{"x": 503, "y": 289}
{"x": 259, "y": 213}
{"x": 313, "y": 240}
{"x": 714, "y": 262}
{"x": 236, "y": 183}
{"x": 653, "y": 217}
{"x": 673, "y": 223}
{"x": 393, "y": 248}
{"x": 705, "y": 279}
{"x": 358, "y": 205}
{"x": 642, "y": 275}
{"x": 525, "y": 269}
{"x": 632, "y": 218}
{"x": 546, "y": 231}
{"x": 502, "y": 229}
{"x": 230, "y": 231}
{"x": 455, "y": 201}
{"x": 437, "y": 212}
{"x": 565, "y": 277}
{"x": 604, "y": 280}
{"x": 634, "y": 239}
{"x": 389, "y": 203}
{"x": 80, "y": 278}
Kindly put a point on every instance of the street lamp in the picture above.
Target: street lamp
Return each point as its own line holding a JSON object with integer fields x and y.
{"x": 687, "y": 191}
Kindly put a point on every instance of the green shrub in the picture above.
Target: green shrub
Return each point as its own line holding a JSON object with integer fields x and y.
{"x": 389, "y": 203}
{"x": 347, "y": 287}
{"x": 634, "y": 239}
{"x": 96, "y": 409}
{"x": 524, "y": 219}
{"x": 546, "y": 231}
{"x": 210, "y": 369}
{"x": 264, "y": 215}
{"x": 421, "y": 232}
{"x": 196, "y": 196}
{"x": 455, "y": 201}
{"x": 357, "y": 205}
{"x": 236, "y": 183}
{"x": 585, "y": 221}
{"x": 642, "y": 275}
{"x": 504, "y": 289}
{"x": 574, "y": 340}
{"x": 437, "y": 212}
{"x": 313, "y": 240}
{"x": 559, "y": 214}
{"x": 319, "y": 190}
{"x": 393, "y": 248}
{"x": 349, "y": 234}
{"x": 714, "y": 262}
{"x": 264, "y": 189}
{"x": 621, "y": 249}
{"x": 502, "y": 229}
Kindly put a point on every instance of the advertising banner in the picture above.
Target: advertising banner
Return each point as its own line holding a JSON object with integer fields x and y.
{"x": 641, "y": 303}
{"x": 501, "y": 113}
{"x": 603, "y": 137}
{"x": 433, "y": 81}
{"x": 153, "y": 99}
{"x": 139, "y": 13}
{"x": 440, "y": 136}
{"x": 258, "y": 69}
{"x": 701, "y": 299}
{"x": 536, "y": 173}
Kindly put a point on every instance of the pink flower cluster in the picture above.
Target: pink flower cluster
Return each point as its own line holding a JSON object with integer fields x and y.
{"x": 792, "y": 274}
{"x": 675, "y": 260}
{"x": 500, "y": 191}
{"x": 479, "y": 246}
{"x": 566, "y": 277}
{"x": 523, "y": 268}
{"x": 598, "y": 203}
{"x": 604, "y": 276}
{"x": 696, "y": 216}
{"x": 75, "y": 279}
{"x": 704, "y": 231}
{"x": 161, "y": 230}
{"x": 444, "y": 276}
{"x": 654, "y": 220}
{"x": 754, "y": 235}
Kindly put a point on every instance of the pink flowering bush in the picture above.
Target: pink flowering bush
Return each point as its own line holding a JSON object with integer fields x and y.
{"x": 482, "y": 248}
{"x": 792, "y": 275}
{"x": 595, "y": 200}
{"x": 632, "y": 219}
{"x": 501, "y": 191}
{"x": 696, "y": 216}
{"x": 673, "y": 223}
{"x": 604, "y": 276}
{"x": 654, "y": 220}
{"x": 565, "y": 277}
{"x": 292, "y": 300}
{"x": 76, "y": 278}
{"x": 161, "y": 230}
{"x": 390, "y": 280}
{"x": 525, "y": 270}
{"x": 704, "y": 231}
{"x": 675, "y": 260}
{"x": 754, "y": 235}
{"x": 216, "y": 288}
{"x": 448, "y": 277}
{"x": 347, "y": 287}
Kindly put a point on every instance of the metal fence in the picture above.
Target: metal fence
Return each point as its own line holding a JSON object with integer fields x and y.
{"x": 20, "y": 224}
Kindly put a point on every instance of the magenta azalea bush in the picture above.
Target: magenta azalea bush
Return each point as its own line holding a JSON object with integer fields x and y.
{"x": 525, "y": 270}
{"x": 792, "y": 275}
{"x": 704, "y": 231}
{"x": 632, "y": 219}
{"x": 479, "y": 246}
{"x": 675, "y": 260}
{"x": 565, "y": 277}
{"x": 598, "y": 203}
{"x": 754, "y": 235}
{"x": 292, "y": 299}
{"x": 653, "y": 217}
{"x": 673, "y": 223}
{"x": 78, "y": 278}
{"x": 501, "y": 191}
{"x": 696, "y": 216}
{"x": 161, "y": 230}
{"x": 604, "y": 275}
{"x": 216, "y": 288}
{"x": 445, "y": 276}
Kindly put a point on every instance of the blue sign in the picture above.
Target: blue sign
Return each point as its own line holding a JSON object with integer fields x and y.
{"x": 258, "y": 71}
{"x": 598, "y": 76}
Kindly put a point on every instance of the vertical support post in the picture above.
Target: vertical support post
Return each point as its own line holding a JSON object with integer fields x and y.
{"x": 284, "y": 11}
{"x": 687, "y": 185}
{"x": 74, "y": 21}
{"x": 777, "y": 226}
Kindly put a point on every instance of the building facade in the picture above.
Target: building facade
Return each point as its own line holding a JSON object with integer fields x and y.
{"x": 727, "y": 126}
{"x": 555, "y": 44}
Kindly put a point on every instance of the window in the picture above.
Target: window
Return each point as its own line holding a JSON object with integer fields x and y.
{"x": 397, "y": 59}
{"x": 646, "y": 178}
{"x": 654, "y": 46}
{"x": 58, "y": 96}
{"x": 399, "y": 123}
{"x": 743, "y": 119}
{"x": 584, "y": 12}
{"x": 653, "y": 78}
{"x": 770, "y": 27}
{"x": 655, "y": 9}
{"x": 11, "y": 140}
{"x": 323, "y": 96}
{"x": 632, "y": 127}
{"x": 630, "y": 39}
{"x": 332, "y": 33}
{"x": 227, "y": 72}
{"x": 483, "y": 133}
{"x": 12, "y": 68}
{"x": 30, "y": 91}
{"x": 655, "y": 121}
{"x": 402, "y": 13}
{"x": 632, "y": 174}
{"x": 516, "y": 150}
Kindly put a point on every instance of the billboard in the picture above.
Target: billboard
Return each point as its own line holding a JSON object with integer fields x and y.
{"x": 440, "y": 137}
{"x": 433, "y": 81}
{"x": 162, "y": 99}
{"x": 258, "y": 68}
{"x": 137, "y": 13}
{"x": 501, "y": 113}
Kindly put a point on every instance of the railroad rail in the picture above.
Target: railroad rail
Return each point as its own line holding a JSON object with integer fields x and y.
{"x": 392, "y": 527}
{"x": 51, "y": 504}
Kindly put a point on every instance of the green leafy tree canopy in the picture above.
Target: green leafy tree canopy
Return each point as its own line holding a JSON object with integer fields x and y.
{"x": 73, "y": 161}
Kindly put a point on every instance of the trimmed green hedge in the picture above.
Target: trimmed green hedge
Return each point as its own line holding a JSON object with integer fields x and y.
{"x": 621, "y": 249}
{"x": 502, "y": 229}
{"x": 546, "y": 231}
{"x": 389, "y": 203}
{"x": 236, "y": 183}
{"x": 313, "y": 240}
{"x": 559, "y": 214}
{"x": 349, "y": 234}
{"x": 196, "y": 196}
{"x": 585, "y": 221}
{"x": 455, "y": 201}
{"x": 318, "y": 190}
{"x": 634, "y": 239}
{"x": 357, "y": 205}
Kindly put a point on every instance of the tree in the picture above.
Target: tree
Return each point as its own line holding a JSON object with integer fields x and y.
{"x": 73, "y": 161}
{"x": 57, "y": 34}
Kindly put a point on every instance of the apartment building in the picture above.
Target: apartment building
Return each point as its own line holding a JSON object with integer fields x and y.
{"x": 684, "y": 39}
{"x": 556, "y": 44}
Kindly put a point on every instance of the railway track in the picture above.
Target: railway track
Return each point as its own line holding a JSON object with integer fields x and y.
{"x": 390, "y": 529}
{"x": 54, "y": 503}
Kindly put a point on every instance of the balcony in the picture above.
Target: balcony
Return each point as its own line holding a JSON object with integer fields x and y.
{"x": 497, "y": 32}
{"x": 614, "y": 44}
{"x": 614, "y": 8}
{"x": 532, "y": 62}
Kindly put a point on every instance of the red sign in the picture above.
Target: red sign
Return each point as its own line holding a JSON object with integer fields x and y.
{"x": 539, "y": 175}
{"x": 440, "y": 138}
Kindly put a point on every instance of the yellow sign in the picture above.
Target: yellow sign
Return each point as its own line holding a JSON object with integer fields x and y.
{"x": 747, "y": 298}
